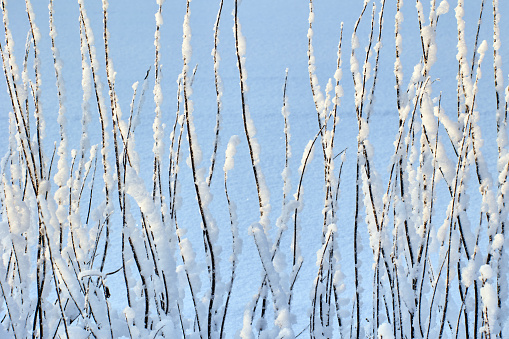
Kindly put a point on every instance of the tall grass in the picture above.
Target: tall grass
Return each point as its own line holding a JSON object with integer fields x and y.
{"x": 433, "y": 274}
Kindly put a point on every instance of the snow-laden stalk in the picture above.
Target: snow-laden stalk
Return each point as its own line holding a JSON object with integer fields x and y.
{"x": 62, "y": 175}
{"x": 502, "y": 167}
{"x": 116, "y": 114}
{"x": 356, "y": 320}
{"x": 325, "y": 284}
{"x": 209, "y": 228}
{"x": 249, "y": 128}
{"x": 42, "y": 243}
{"x": 40, "y": 125}
{"x": 219, "y": 93}
{"x": 107, "y": 176}
{"x": 364, "y": 169}
{"x": 18, "y": 95}
{"x": 282, "y": 220}
{"x": 158, "y": 126}
{"x": 236, "y": 239}
{"x": 260, "y": 230}
{"x": 318, "y": 98}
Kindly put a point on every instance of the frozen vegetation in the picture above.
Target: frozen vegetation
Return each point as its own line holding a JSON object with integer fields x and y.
{"x": 366, "y": 200}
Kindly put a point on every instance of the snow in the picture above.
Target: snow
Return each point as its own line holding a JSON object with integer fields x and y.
{"x": 443, "y": 8}
{"x": 230, "y": 153}
{"x": 385, "y": 331}
{"x": 443, "y": 141}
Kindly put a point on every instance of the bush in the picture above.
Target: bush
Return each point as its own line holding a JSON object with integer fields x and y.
{"x": 90, "y": 250}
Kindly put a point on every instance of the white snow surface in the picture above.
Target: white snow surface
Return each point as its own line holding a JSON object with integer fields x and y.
{"x": 274, "y": 38}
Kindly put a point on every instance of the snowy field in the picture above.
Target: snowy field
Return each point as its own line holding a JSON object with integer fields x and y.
{"x": 410, "y": 245}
